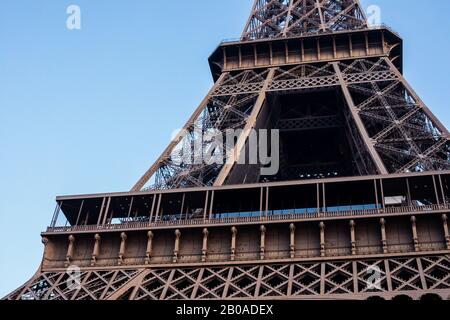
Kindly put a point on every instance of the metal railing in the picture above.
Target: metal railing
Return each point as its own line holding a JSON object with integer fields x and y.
{"x": 248, "y": 220}
{"x": 372, "y": 27}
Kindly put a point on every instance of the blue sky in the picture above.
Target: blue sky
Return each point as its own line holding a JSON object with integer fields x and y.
{"x": 87, "y": 111}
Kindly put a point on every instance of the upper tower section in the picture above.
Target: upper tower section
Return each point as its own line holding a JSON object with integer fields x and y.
{"x": 292, "y": 18}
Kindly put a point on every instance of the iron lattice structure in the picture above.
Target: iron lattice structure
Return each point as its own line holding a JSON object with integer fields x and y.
{"x": 363, "y": 184}
{"x": 290, "y": 18}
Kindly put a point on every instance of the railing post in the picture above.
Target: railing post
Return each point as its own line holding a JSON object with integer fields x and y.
{"x": 96, "y": 251}
{"x": 205, "y": 244}
{"x": 353, "y": 236}
{"x": 211, "y": 205}
{"x": 149, "y": 251}
{"x": 414, "y": 232}
{"x": 263, "y": 242}
{"x": 123, "y": 242}
{"x": 176, "y": 249}
{"x": 383, "y": 235}
{"x": 322, "y": 239}
{"x": 233, "y": 243}
{"x": 446, "y": 232}
{"x": 292, "y": 241}
{"x": 69, "y": 254}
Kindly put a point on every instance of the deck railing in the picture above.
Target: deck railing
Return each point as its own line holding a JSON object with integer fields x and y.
{"x": 248, "y": 220}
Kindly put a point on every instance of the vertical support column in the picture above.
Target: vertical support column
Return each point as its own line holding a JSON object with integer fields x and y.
{"x": 318, "y": 198}
{"x": 105, "y": 218}
{"x": 101, "y": 212}
{"x": 149, "y": 251}
{"x": 377, "y": 202}
{"x": 353, "y": 236}
{"x": 176, "y": 249}
{"x": 414, "y": 232}
{"x": 233, "y": 243}
{"x": 261, "y": 201}
{"x": 263, "y": 242}
{"x": 267, "y": 202}
{"x": 302, "y": 49}
{"x": 152, "y": 210}
{"x": 355, "y": 276}
{"x": 441, "y": 186}
{"x": 158, "y": 207}
{"x": 69, "y": 254}
{"x": 319, "y": 56}
{"x": 270, "y": 53}
{"x": 324, "y": 198}
{"x": 446, "y": 233}
{"x": 211, "y": 205}
{"x": 240, "y": 56}
{"x": 350, "y": 45}
{"x": 383, "y": 235}
{"x": 205, "y": 209}
{"x": 438, "y": 202}
{"x": 366, "y": 38}
{"x": 408, "y": 191}
{"x": 79, "y": 213}
{"x": 383, "y": 199}
{"x": 131, "y": 207}
{"x": 286, "y": 49}
{"x": 323, "y": 276}
{"x": 334, "y": 48}
{"x": 205, "y": 245}
{"x": 292, "y": 241}
{"x": 96, "y": 251}
{"x": 322, "y": 239}
{"x": 123, "y": 242}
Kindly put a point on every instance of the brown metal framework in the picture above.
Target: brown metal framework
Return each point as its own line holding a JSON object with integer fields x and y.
{"x": 364, "y": 181}
{"x": 284, "y": 18}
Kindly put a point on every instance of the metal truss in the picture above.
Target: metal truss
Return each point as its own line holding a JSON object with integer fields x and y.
{"x": 90, "y": 285}
{"x": 286, "y": 18}
{"x": 228, "y": 106}
{"x": 405, "y": 134}
{"x": 389, "y": 128}
{"x": 340, "y": 279}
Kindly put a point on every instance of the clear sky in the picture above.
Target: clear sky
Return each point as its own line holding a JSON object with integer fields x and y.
{"x": 87, "y": 111}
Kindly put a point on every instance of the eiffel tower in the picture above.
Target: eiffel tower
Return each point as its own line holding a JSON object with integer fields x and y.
{"x": 357, "y": 210}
